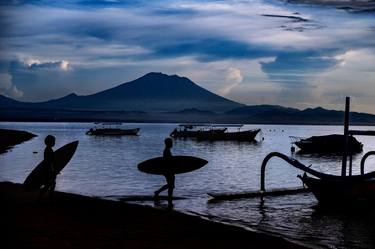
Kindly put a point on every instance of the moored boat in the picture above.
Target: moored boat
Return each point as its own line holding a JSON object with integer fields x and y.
{"x": 335, "y": 190}
{"x": 248, "y": 135}
{"x": 109, "y": 130}
{"x": 333, "y": 143}
{"x": 347, "y": 190}
{"x": 193, "y": 130}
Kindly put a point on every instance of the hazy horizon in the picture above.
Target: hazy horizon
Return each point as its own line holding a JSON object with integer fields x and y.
{"x": 253, "y": 52}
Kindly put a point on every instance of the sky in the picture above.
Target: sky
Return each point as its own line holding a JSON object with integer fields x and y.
{"x": 250, "y": 51}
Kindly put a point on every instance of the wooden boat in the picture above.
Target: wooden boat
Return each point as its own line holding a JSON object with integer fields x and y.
{"x": 109, "y": 130}
{"x": 248, "y": 135}
{"x": 341, "y": 191}
{"x": 335, "y": 190}
{"x": 192, "y": 130}
{"x": 331, "y": 190}
{"x": 326, "y": 144}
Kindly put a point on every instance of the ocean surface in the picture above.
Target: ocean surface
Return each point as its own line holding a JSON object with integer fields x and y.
{"x": 107, "y": 167}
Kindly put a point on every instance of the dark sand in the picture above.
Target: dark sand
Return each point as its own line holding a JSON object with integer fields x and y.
{"x": 10, "y": 138}
{"x": 74, "y": 221}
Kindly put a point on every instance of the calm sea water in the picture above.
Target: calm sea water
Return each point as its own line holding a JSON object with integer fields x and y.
{"x": 107, "y": 166}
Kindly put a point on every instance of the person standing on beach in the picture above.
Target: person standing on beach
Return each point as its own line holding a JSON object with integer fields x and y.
{"x": 169, "y": 177}
{"x": 49, "y": 158}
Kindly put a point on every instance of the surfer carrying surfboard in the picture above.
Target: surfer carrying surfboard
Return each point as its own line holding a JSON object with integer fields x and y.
{"x": 49, "y": 158}
{"x": 169, "y": 177}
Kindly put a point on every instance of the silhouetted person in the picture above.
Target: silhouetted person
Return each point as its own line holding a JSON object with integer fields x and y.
{"x": 292, "y": 149}
{"x": 169, "y": 177}
{"x": 49, "y": 158}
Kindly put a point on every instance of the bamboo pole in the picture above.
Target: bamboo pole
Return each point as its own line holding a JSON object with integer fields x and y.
{"x": 346, "y": 131}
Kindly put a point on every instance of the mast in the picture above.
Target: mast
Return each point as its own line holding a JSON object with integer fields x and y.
{"x": 346, "y": 132}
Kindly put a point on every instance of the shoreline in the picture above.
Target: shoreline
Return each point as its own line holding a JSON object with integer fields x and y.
{"x": 216, "y": 123}
{"x": 11, "y": 138}
{"x": 77, "y": 221}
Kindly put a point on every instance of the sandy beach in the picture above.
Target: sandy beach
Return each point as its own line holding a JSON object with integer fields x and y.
{"x": 75, "y": 221}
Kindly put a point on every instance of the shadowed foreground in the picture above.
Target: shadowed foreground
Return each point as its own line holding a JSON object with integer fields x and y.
{"x": 74, "y": 221}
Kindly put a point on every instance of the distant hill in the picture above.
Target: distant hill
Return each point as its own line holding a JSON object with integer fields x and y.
{"x": 271, "y": 114}
{"x": 154, "y": 92}
{"x": 193, "y": 111}
{"x": 262, "y": 109}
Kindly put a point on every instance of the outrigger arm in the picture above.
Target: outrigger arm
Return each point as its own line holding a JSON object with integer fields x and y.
{"x": 315, "y": 173}
{"x": 370, "y": 153}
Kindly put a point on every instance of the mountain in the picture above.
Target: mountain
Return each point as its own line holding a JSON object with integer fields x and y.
{"x": 153, "y": 92}
{"x": 157, "y": 97}
{"x": 6, "y": 102}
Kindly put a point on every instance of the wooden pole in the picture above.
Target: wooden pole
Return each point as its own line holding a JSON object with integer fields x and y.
{"x": 346, "y": 131}
{"x": 350, "y": 150}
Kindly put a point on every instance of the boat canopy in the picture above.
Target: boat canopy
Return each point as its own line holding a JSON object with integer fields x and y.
{"x": 228, "y": 125}
{"x": 361, "y": 133}
{"x": 191, "y": 126}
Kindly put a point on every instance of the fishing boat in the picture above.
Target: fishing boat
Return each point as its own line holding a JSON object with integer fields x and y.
{"x": 193, "y": 130}
{"x": 333, "y": 143}
{"x": 248, "y": 135}
{"x": 112, "y": 129}
{"x": 333, "y": 190}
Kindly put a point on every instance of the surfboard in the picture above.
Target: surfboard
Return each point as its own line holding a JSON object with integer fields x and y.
{"x": 37, "y": 177}
{"x": 173, "y": 165}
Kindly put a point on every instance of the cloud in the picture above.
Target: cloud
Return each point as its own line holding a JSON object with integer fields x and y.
{"x": 37, "y": 64}
{"x": 344, "y": 80}
{"x": 5, "y": 81}
{"x": 295, "y": 69}
{"x": 219, "y": 44}
{"x": 233, "y": 78}
{"x": 7, "y": 88}
{"x": 234, "y": 75}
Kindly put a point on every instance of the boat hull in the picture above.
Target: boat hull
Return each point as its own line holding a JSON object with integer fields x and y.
{"x": 195, "y": 134}
{"x": 337, "y": 192}
{"x": 328, "y": 144}
{"x": 233, "y": 136}
{"x": 113, "y": 132}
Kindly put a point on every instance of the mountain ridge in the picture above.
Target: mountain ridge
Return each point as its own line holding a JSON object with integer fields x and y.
{"x": 156, "y": 97}
{"x": 153, "y": 92}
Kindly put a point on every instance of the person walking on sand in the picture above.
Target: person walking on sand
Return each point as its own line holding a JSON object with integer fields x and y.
{"x": 49, "y": 158}
{"x": 169, "y": 177}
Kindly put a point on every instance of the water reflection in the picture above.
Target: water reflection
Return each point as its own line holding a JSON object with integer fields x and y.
{"x": 105, "y": 166}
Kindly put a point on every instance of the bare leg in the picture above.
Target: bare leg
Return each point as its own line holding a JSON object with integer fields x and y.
{"x": 170, "y": 196}
{"x": 170, "y": 181}
{"x": 165, "y": 187}
{"x": 52, "y": 188}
